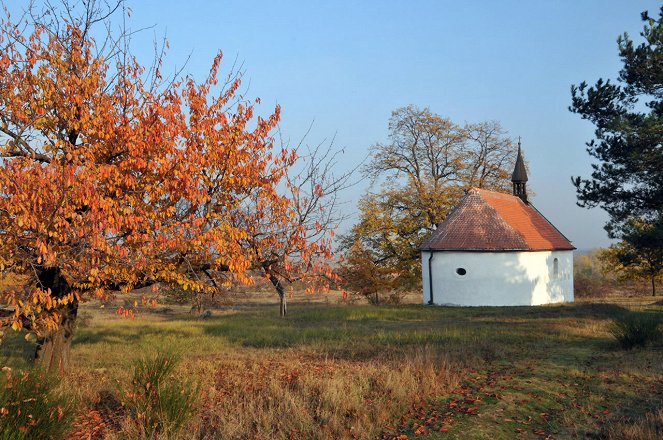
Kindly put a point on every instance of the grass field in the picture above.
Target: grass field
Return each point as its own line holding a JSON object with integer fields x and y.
{"x": 357, "y": 371}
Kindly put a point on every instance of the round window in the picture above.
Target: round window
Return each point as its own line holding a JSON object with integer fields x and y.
{"x": 461, "y": 271}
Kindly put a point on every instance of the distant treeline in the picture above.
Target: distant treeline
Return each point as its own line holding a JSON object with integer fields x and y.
{"x": 597, "y": 274}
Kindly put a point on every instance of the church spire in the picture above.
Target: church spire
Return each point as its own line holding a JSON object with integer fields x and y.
{"x": 519, "y": 177}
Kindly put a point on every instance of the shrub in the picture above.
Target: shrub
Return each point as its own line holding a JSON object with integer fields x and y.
{"x": 635, "y": 329}
{"x": 32, "y": 408}
{"x": 159, "y": 403}
{"x": 396, "y": 297}
{"x": 589, "y": 287}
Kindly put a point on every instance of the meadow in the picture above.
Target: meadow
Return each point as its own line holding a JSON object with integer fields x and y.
{"x": 334, "y": 370}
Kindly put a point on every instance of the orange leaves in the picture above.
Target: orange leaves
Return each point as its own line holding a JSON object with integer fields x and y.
{"x": 116, "y": 182}
{"x": 37, "y": 309}
{"x": 125, "y": 312}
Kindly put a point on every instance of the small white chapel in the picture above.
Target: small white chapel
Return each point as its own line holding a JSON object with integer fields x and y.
{"x": 496, "y": 249}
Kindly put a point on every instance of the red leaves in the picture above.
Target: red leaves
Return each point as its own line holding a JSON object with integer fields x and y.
{"x": 466, "y": 401}
{"x": 420, "y": 429}
{"x": 97, "y": 423}
{"x": 125, "y": 312}
{"x": 291, "y": 377}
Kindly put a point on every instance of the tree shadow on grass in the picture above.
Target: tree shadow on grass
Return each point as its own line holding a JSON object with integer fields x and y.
{"x": 136, "y": 334}
{"x": 361, "y": 331}
{"x": 578, "y": 310}
{"x": 344, "y": 331}
{"x": 573, "y": 387}
{"x": 15, "y": 351}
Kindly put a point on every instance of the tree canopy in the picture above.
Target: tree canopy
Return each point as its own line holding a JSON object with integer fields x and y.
{"x": 639, "y": 255}
{"x": 113, "y": 176}
{"x": 420, "y": 175}
{"x": 627, "y": 181}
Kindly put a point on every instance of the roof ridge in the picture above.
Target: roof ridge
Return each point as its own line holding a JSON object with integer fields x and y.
{"x": 498, "y": 193}
{"x": 495, "y": 221}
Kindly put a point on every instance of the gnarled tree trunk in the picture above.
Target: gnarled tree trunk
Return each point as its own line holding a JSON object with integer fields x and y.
{"x": 53, "y": 349}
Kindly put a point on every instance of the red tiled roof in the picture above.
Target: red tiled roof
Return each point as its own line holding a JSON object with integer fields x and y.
{"x": 492, "y": 221}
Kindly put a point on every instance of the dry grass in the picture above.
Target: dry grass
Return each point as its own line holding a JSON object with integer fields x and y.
{"x": 316, "y": 398}
{"x": 649, "y": 426}
{"x": 331, "y": 370}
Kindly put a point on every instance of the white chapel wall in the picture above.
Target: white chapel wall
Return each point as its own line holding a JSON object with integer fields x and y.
{"x": 499, "y": 278}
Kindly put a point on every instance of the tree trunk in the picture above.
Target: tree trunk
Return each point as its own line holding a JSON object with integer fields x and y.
{"x": 653, "y": 285}
{"x": 283, "y": 306}
{"x": 53, "y": 349}
{"x": 197, "y": 307}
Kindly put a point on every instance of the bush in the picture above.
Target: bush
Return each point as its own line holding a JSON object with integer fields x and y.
{"x": 392, "y": 297}
{"x": 158, "y": 402}
{"x": 32, "y": 408}
{"x": 590, "y": 287}
{"x": 635, "y": 329}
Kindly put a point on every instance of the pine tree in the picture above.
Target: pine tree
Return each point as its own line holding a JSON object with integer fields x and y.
{"x": 628, "y": 115}
{"x": 628, "y": 180}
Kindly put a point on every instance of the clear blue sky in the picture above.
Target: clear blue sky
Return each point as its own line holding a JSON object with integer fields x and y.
{"x": 348, "y": 64}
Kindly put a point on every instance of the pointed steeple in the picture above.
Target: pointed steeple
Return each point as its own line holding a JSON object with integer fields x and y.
{"x": 519, "y": 177}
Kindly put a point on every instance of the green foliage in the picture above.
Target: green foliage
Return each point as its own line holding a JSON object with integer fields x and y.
{"x": 641, "y": 261}
{"x": 628, "y": 116}
{"x": 31, "y": 406}
{"x": 159, "y": 403}
{"x": 636, "y": 329}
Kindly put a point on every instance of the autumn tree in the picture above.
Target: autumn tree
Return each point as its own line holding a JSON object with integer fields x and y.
{"x": 113, "y": 175}
{"x": 627, "y": 181}
{"x": 420, "y": 174}
{"x": 291, "y": 241}
{"x": 639, "y": 256}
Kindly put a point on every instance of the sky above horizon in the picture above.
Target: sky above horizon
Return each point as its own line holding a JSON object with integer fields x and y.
{"x": 345, "y": 66}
